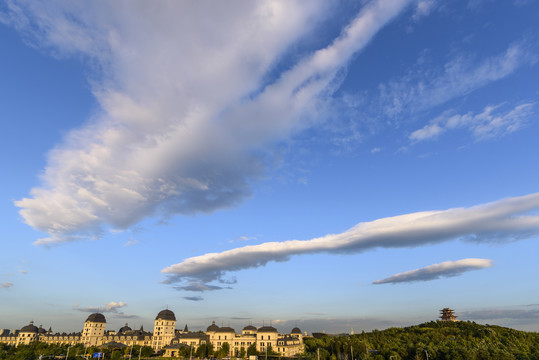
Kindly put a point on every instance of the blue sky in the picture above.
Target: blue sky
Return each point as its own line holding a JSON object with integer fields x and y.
{"x": 330, "y": 165}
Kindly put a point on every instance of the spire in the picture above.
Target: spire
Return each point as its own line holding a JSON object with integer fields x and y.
{"x": 186, "y": 330}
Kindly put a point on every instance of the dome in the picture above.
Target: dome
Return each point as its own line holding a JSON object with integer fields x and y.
{"x": 296, "y": 330}
{"x": 41, "y": 330}
{"x": 31, "y": 328}
{"x": 97, "y": 318}
{"x": 267, "y": 329}
{"x": 249, "y": 328}
{"x": 124, "y": 329}
{"x": 212, "y": 327}
{"x": 165, "y": 315}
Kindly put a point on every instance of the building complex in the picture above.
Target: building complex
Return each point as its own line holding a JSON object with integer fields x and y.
{"x": 165, "y": 337}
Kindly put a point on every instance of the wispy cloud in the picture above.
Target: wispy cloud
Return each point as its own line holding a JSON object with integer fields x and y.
{"x": 193, "y": 298}
{"x": 6, "y": 285}
{"x": 424, "y": 8}
{"x": 24, "y": 272}
{"x": 199, "y": 286}
{"x": 111, "y": 307}
{"x": 496, "y": 314}
{"x": 506, "y": 219}
{"x": 425, "y": 87}
{"x": 168, "y": 140}
{"x": 131, "y": 242}
{"x": 121, "y": 315}
{"x": 437, "y": 271}
{"x": 243, "y": 238}
{"x": 335, "y": 325}
{"x": 491, "y": 122}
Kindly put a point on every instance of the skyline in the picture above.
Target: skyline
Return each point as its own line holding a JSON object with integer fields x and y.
{"x": 326, "y": 165}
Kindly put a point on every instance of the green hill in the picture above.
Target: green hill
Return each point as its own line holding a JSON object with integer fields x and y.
{"x": 436, "y": 339}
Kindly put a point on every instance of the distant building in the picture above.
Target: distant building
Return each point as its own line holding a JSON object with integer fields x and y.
{"x": 447, "y": 314}
{"x": 165, "y": 337}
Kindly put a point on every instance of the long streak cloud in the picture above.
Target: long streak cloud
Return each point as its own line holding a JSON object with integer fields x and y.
{"x": 504, "y": 220}
{"x": 437, "y": 271}
{"x": 187, "y": 117}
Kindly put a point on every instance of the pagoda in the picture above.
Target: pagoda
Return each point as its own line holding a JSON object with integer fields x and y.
{"x": 447, "y": 314}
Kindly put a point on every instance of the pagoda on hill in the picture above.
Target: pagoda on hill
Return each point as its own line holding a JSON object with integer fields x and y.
{"x": 447, "y": 314}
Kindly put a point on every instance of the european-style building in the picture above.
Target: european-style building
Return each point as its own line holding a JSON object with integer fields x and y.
{"x": 165, "y": 337}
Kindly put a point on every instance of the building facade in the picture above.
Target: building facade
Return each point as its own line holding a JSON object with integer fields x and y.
{"x": 165, "y": 338}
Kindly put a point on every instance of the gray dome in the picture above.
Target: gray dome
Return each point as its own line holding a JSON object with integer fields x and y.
{"x": 97, "y": 317}
{"x": 41, "y": 330}
{"x": 31, "y": 328}
{"x": 124, "y": 329}
{"x": 267, "y": 329}
{"x": 296, "y": 330}
{"x": 212, "y": 327}
{"x": 165, "y": 315}
{"x": 249, "y": 327}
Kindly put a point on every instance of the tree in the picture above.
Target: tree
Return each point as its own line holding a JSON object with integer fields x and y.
{"x": 251, "y": 350}
{"x": 224, "y": 351}
{"x": 146, "y": 351}
{"x": 243, "y": 353}
{"x": 204, "y": 351}
{"x": 226, "y": 348}
{"x": 270, "y": 351}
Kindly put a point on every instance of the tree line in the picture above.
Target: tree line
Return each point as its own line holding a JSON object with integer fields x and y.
{"x": 433, "y": 340}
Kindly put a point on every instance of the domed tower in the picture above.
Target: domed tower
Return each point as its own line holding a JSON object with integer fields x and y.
{"x": 94, "y": 330}
{"x": 124, "y": 329}
{"x": 164, "y": 329}
{"x": 225, "y": 334}
{"x": 249, "y": 330}
{"x": 211, "y": 330}
{"x": 266, "y": 337}
{"x": 27, "y": 334}
{"x": 296, "y": 332}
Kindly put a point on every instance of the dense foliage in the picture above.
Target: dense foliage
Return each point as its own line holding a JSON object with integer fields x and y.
{"x": 39, "y": 350}
{"x": 433, "y": 340}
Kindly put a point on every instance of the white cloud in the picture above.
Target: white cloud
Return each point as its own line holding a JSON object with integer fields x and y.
{"x": 131, "y": 242}
{"x": 424, "y": 8}
{"x": 188, "y": 118}
{"x": 491, "y": 122}
{"x": 245, "y": 238}
{"x": 111, "y": 307}
{"x": 436, "y": 271}
{"x": 6, "y": 285}
{"x": 501, "y": 220}
{"x": 425, "y": 87}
